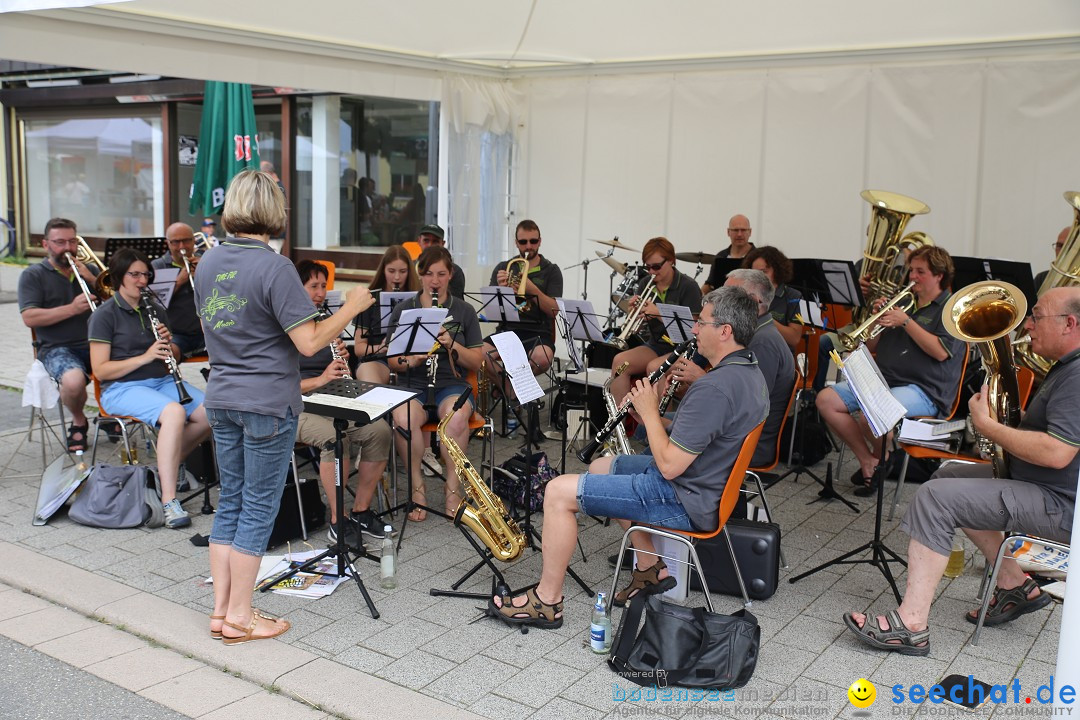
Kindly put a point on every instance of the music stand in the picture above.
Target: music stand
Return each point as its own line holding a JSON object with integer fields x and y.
{"x": 971, "y": 270}
{"x": 578, "y": 324}
{"x": 882, "y": 412}
{"x": 343, "y": 401}
{"x": 152, "y": 247}
{"x": 678, "y": 322}
{"x": 721, "y": 267}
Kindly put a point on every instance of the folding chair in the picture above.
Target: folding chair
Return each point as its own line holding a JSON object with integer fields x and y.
{"x": 124, "y": 421}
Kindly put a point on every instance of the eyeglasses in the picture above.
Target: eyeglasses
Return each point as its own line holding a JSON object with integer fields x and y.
{"x": 528, "y": 241}
{"x": 1036, "y": 318}
{"x": 713, "y": 323}
{"x": 738, "y": 230}
{"x": 135, "y": 274}
{"x": 655, "y": 267}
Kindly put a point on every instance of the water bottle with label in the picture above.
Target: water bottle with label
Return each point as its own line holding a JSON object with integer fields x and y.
{"x": 388, "y": 561}
{"x": 600, "y": 625}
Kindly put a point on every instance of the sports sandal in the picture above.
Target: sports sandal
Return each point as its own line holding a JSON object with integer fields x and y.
{"x": 216, "y": 634}
{"x": 1006, "y": 605}
{"x": 896, "y": 639}
{"x": 249, "y": 631}
{"x": 534, "y": 612}
{"x": 646, "y": 581}
{"x": 75, "y": 444}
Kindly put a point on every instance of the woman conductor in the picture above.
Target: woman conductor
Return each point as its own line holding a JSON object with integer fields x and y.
{"x": 257, "y": 318}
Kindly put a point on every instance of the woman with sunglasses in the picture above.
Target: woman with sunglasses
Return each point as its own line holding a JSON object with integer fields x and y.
{"x": 673, "y": 288}
{"x": 129, "y": 360}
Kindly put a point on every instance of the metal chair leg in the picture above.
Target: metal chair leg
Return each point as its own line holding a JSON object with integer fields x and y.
{"x": 899, "y": 486}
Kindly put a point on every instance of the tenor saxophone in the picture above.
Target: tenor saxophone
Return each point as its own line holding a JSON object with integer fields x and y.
{"x": 481, "y": 511}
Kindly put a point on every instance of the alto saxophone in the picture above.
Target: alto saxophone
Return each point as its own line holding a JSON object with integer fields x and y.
{"x": 618, "y": 444}
{"x": 481, "y": 511}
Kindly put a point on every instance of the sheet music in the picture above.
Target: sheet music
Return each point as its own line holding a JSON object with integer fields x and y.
{"x": 387, "y": 300}
{"x": 500, "y": 303}
{"x": 916, "y": 432}
{"x": 841, "y": 286}
{"x": 371, "y": 409}
{"x": 677, "y": 330}
{"x": 881, "y": 409}
{"x": 334, "y": 300}
{"x": 430, "y": 320}
{"x": 516, "y": 363}
{"x": 386, "y": 396}
{"x": 164, "y": 284}
{"x": 810, "y": 314}
{"x": 576, "y": 363}
{"x": 581, "y": 318}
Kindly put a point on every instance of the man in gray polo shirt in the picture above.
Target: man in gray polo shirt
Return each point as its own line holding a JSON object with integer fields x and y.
{"x": 680, "y": 485}
{"x": 1037, "y": 499}
{"x": 53, "y": 305}
{"x": 183, "y": 319}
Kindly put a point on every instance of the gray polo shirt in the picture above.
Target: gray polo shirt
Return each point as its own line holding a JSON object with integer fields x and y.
{"x": 1055, "y": 410}
{"x": 249, "y": 298}
{"x": 682, "y": 291}
{"x": 464, "y": 328}
{"x": 548, "y": 277}
{"x": 903, "y": 362}
{"x": 715, "y": 416}
{"x": 457, "y": 282}
{"x": 778, "y": 368}
{"x": 785, "y": 304}
{"x": 43, "y": 286}
{"x": 129, "y": 333}
{"x": 182, "y": 316}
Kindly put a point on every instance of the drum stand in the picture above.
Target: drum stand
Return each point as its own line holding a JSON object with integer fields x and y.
{"x": 880, "y": 553}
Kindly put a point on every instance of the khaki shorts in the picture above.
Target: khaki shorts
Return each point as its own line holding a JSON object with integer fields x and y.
{"x": 369, "y": 443}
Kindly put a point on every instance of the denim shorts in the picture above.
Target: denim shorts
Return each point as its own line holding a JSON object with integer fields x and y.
{"x": 59, "y": 360}
{"x": 440, "y": 395}
{"x": 634, "y": 490}
{"x": 916, "y": 402}
{"x": 145, "y": 399}
{"x": 253, "y": 453}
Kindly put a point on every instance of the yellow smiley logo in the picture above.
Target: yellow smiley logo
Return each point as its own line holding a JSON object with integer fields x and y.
{"x": 862, "y": 693}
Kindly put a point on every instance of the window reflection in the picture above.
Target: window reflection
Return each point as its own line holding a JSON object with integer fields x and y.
{"x": 102, "y": 172}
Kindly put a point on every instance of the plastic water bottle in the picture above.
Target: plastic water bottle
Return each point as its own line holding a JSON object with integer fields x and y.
{"x": 600, "y": 626}
{"x": 80, "y": 463}
{"x": 388, "y": 561}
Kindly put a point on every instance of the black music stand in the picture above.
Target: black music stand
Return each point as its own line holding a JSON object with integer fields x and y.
{"x": 881, "y": 554}
{"x": 347, "y": 389}
{"x": 971, "y": 270}
{"x": 578, "y": 324}
{"x": 152, "y": 247}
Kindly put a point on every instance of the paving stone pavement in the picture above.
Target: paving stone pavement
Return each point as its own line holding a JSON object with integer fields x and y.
{"x": 439, "y": 656}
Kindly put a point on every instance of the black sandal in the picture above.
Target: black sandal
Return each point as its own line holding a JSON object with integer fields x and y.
{"x": 906, "y": 642}
{"x": 75, "y": 444}
{"x": 645, "y": 581}
{"x": 534, "y": 612}
{"x": 1006, "y": 605}
{"x": 867, "y": 489}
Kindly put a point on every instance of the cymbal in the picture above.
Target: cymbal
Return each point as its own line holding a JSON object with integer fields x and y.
{"x": 614, "y": 242}
{"x": 695, "y": 257}
{"x": 619, "y": 267}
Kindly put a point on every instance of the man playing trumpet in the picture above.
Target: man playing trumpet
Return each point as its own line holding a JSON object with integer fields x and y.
{"x": 920, "y": 361}
{"x": 183, "y": 319}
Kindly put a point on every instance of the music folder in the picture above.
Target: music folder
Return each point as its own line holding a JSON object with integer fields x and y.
{"x": 359, "y": 402}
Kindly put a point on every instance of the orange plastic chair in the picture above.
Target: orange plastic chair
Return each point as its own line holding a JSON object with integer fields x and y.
{"x": 329, "y": 273}
{"x": 413, "y": 248}
{"x": 122, "y": 420}
{"x": 727, "y": 505}
{"x": 476, "y": 422}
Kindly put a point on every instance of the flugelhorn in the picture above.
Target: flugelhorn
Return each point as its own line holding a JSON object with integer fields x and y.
{"x": 869, "y": 329}
{"x": 686, "y": 349}
{"x": 147, "y": 299}
{"x": 986, "y": 313}
{"x": 517, "y": 274}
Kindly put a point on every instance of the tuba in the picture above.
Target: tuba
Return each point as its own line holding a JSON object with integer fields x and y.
{"x": 986, "y": 313}
{"x": 481, "y": 511}
{"x": 1064, "y": 272}
{"x": 885, "y": 241}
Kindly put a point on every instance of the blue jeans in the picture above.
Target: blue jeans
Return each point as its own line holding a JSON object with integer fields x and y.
{"x": 253, "y": 453}
{"x": 915, "y": 401}
{"x": 635, "y": 490}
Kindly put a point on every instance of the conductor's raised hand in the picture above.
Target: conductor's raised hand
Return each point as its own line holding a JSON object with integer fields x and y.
{"x": 359, "y": 299}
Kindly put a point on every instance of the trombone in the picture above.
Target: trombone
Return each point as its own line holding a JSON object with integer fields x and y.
{"x": 85, "y": 254}
{"x": 202, "y": 244}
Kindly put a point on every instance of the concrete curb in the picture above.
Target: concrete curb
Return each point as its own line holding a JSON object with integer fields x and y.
{"x": 293, "y": 672}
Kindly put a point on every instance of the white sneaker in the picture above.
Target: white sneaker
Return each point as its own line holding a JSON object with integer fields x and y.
{"x": 430, "y": 465}
{"x": 175, "y": 515}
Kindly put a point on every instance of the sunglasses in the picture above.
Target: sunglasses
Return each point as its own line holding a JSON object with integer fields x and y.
{"x": 655, "y": 267}
{"x": 529, "y": 241}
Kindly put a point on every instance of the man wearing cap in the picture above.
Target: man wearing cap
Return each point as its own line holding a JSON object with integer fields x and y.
{"x": 183, "y": 319}
{"x": 208, "y": 227}
{"x": 435, "y": 236}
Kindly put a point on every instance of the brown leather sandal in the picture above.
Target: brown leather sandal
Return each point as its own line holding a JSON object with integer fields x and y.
{"x": 249, "y": 631}
{"x": 647, "y": 581}
{"x": 534, "y": 612}
{"x": 216, "y": 634}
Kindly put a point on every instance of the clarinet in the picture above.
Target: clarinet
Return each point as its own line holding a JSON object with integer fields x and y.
{"x": 686, "y": 349}
{"x": 147, "y": 301}
{"x": 324, "y": 313}
{"x": 432, "y": 361}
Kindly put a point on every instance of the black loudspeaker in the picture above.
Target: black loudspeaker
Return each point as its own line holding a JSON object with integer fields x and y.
{"x": 757, "y": 548}
{"x": 287, "y": 524}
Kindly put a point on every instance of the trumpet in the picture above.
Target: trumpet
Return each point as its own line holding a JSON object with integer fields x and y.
{"x": 869, "y": 329}
{"x": 636, "y": 316}
{"x": 147, "y": 299}
{"x": 685, "y": 349}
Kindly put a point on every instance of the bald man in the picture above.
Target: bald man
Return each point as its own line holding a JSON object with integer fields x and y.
{"x": 739, "y": 233}
{"x": 1058, "y": 245}
{"x": 183, "y": 319}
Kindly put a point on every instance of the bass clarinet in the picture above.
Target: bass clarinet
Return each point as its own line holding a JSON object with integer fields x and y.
{"x": 147, "y": 301}
{"x": 685, "y": 349}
